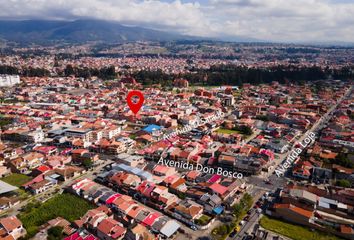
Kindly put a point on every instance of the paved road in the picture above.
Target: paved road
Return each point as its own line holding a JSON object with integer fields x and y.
{"x": 254, "y": 218}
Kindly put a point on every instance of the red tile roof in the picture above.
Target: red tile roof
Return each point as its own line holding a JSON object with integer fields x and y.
{"x": 149, "y": 220}
{"x": 218, "y": 188}
{"x": 295, "y": 209}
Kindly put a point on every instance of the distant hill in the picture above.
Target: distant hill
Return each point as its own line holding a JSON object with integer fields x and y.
{"x": 79, "y": 31}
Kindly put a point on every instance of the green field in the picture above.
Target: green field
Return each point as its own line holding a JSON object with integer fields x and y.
{"x": 64, "y": 205}
{"x": 228, "y": 131}
{"x": 16, "y": 179}
{"x": 292, "y": 231}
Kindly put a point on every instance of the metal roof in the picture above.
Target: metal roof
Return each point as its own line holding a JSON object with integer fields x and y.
{"x": 170, "y": 228}
{"x": 5, "y": 187}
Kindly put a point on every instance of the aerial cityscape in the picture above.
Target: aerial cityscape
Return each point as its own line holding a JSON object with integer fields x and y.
{"x": 200, "y": 120}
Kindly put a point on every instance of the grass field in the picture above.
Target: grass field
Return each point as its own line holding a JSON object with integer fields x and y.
{"x": 16, "y": 179}
{"x": 64, "y": 205}
{"x": 292, "y": 231}
{"x": 228, "y": 131}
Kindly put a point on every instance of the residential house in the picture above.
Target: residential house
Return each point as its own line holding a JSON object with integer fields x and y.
{"x": 25, "y": 163}
{"x": 162, "y": 170}
{"x": 80, "y": 155}
{"x": 139, "y": 232}
{"x": 40, "y": 184}
{"x": 293, "y": 214}
{"x": 212, "y": 204}
{"x": 186, "y": 211}
{"x": 110, "y": 229}
{"x": 11, "y": 228}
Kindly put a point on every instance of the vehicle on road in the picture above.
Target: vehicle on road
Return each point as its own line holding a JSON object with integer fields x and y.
{"x": 233, "y": 233}
{"x": 194, "y": 228}
{"x": 267, "y": 181}
{"x": 257, "y": 205}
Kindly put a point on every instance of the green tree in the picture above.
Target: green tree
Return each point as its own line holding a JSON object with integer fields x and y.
{"x": 55, "y": 233}
{"x": 263, "y": 118}
{"x": 4, "y": 69}
{"x": 107, "y": 72}
{"x": 247, "y": 200}
{"x": 237, "y": 209}
{"x": 69, "y": 70}
{"x": 243, "y": 129}
{"x": 4, "y": 122}
{"x": 343, "y": 183}
{"x": 223, "y": 229}
{"x": 343, "y": 160}
{"x": 87, "y": 163}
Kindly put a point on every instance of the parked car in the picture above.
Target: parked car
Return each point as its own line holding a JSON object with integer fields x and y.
{"x": 258, "y": 204}
{"x": 233, "y": 233}
{"x": 247, "y": 237}
{"x": 194, "y": 228}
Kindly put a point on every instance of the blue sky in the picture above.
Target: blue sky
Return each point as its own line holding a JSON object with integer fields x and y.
{"x": 271, "y": 20}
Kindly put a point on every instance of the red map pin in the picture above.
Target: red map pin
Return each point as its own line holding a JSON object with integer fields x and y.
{"x": 133, "y": 103}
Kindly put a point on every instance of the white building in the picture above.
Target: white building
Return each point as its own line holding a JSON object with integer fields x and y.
{"x": 9, "y": 80}
{"x": 111, "y": 131}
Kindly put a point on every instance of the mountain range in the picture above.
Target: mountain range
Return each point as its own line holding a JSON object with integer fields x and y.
{"x": 48, "y": 32}
{"x": 79, "y": 31}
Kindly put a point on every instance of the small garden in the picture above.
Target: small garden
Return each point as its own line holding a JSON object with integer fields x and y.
{"x": 203, "y": 220}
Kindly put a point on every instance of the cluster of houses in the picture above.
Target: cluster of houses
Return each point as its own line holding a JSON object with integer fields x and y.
{"x": 43, "y": 167}
{"x": 185, "y": 196}
{"x": 321, "y": 195}
{"x": 329, "y": 209}
{"x": 11, "y": 228}
{"x": 118, "y": 212}
{"x": 331, "y": 158}
{"x": 164, "y": 193}
{"x": 67, "y": 129}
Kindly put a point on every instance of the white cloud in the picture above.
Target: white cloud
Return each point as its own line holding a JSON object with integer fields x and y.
{"x": 277, "y": 20}
{"x": 287, "y": 20}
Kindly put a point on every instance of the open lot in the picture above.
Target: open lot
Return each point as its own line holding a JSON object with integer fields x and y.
{"x": 16, "y": 179}
{"x": 65, "y": 205}
{"x": 292, "y": 231}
